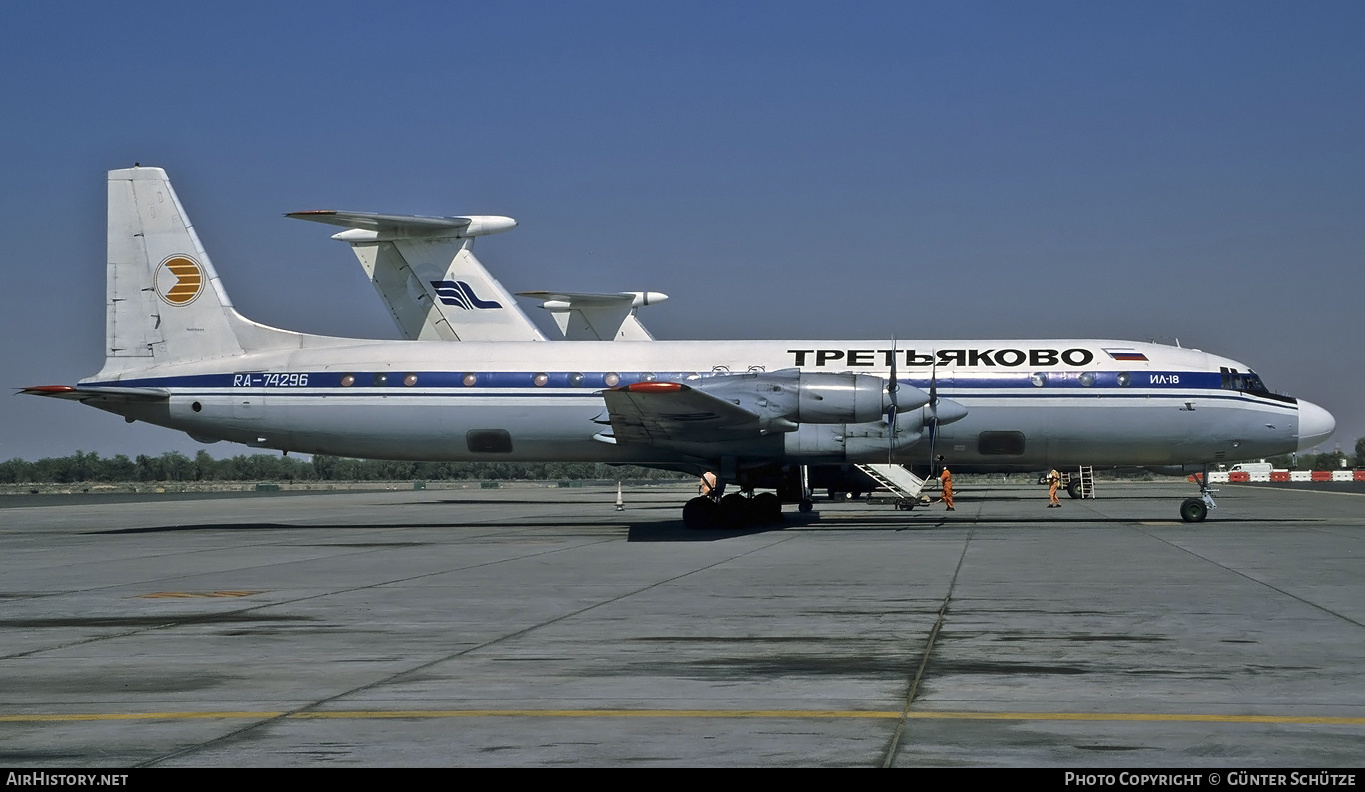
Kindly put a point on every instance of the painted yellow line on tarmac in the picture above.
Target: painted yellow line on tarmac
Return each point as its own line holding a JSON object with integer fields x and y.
{"x": 686, "y": 713}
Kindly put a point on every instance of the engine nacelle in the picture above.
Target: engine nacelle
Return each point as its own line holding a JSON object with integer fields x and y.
{"x": 789, "y": 397}
{"x": 862, "y": 442}
{"x": 827, "y": 398}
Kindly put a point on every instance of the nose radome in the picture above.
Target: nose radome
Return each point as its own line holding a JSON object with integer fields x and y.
{"x": 1315, "y": 425}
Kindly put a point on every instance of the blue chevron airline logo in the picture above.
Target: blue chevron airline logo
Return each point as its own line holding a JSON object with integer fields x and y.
{"x": 458, "y": 293}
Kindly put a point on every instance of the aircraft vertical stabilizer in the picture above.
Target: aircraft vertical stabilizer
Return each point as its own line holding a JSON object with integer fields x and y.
{"x": 427, "y": 275}
{"x": 164, "y": 301}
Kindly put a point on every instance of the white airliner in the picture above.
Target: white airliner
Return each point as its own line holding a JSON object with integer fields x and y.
{"x": 752, "y": 412}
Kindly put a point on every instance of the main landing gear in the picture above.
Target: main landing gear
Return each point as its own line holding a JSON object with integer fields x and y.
{"x": 1073, "y": 488}
{"x": 1196, "y": 509}
{"x": 745, "y": 509}
{"x": 734, "y": 511}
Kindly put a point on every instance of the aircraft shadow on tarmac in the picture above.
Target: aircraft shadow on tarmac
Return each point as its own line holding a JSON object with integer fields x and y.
{"x": 677, "y": 531}
{"x": 666, "y": 530}
{"x": 248, "y": 526}
{"x": 496, "y": 501}
{"x": 199, "y": 527}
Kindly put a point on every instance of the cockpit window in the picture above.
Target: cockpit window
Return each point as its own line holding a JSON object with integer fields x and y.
{"x": 1250, "y": 381}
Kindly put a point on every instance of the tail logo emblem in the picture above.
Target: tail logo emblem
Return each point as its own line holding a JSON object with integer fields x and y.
{"x": 459, "y": 294}
{"x": 179, "y": 280}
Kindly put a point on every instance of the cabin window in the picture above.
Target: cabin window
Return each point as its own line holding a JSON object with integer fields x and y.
{"x": 380, "y": 379}
{"x": 469, "y": 380}
{"x": 1125, "y": 379}
{"x": 612, "y": 379}
{"x": 1038, "y": 380}
{"x": 540, "y": 380}
{"x": 648, "y": 376}
{"x": 489, "y": 441}
{"x": 409, "y": 380}
{"x": 1000, "y": 443}
{"x": 347, "y": 380}
{"x": 1087, "y": 378}
{"x": 575, "y": 379}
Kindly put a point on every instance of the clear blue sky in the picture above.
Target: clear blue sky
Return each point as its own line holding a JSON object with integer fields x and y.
{"x": 782, "y": 170}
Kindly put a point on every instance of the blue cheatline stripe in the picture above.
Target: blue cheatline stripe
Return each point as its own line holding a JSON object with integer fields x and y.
{"x": 1060, "y": 384}
{"x": 1073, "y": 398}
{"x": 394, "y": 378}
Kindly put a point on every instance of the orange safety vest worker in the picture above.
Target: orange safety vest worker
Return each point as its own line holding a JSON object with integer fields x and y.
{"x": 947, "y": 479}
{"x": 1054, "y": 479}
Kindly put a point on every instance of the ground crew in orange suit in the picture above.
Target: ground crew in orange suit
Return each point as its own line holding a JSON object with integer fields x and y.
{"x": 947, "y": 479}
{"x": 1054, "y": 480}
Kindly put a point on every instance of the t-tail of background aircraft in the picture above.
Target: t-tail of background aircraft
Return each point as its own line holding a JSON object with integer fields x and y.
{"x": 753, "y": 413}
{"x": 425, "y": 271}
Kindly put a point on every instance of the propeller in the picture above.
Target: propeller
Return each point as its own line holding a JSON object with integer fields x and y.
{"x": 931, "y": 413}
{"x": 892, "y": 386}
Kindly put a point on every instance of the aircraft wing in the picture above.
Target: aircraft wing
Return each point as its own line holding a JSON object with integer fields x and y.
{"x": 668, "y": 412}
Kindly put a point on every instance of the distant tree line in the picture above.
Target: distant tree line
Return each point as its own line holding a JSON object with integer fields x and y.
{"x": 1331, "y": 460}
{"x": 175, "y": 466}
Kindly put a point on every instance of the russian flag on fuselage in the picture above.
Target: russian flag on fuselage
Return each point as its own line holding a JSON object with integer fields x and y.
{"x": 1125, "y": 354}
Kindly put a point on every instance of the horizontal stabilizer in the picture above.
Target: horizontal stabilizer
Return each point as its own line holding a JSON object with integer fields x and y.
{"x": 598, "y": 317}
{"x": 96, "y": 394}
{"x": 570, "y": 300}
{"x": 389, "y": 226}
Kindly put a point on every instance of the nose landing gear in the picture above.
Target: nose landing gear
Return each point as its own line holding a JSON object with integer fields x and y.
{"x": 1196, "y": 509}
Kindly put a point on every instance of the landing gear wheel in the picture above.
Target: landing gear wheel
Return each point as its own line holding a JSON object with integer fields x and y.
{"x": 767, "y": 507}
{"x": 1193, "y": 510}
{"x": 1073, "y": 488}
{"x": 905, "y": 504}
{"x": 699, "y": 514}
{"x": 735, "y": 511}
{"x": 805, "y": 505}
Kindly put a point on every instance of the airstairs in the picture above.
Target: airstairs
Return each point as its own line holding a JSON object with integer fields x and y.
{"x": 903, "y": 484}
{"x": 1086, "y": 474}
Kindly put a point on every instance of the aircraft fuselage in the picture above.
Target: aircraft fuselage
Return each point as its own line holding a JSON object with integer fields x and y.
{"x": 1030, "y": 404}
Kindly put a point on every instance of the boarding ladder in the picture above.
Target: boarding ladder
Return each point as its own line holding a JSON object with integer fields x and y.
{"x": 1086, "y": 473}
{"x": 905, "y": 485}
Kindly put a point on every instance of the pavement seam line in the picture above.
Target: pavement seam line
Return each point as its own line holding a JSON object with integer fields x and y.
{"x": 893, "y": 745}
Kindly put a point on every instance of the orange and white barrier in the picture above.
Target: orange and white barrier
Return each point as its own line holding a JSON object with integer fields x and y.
{"x": 1240, "y": 476}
